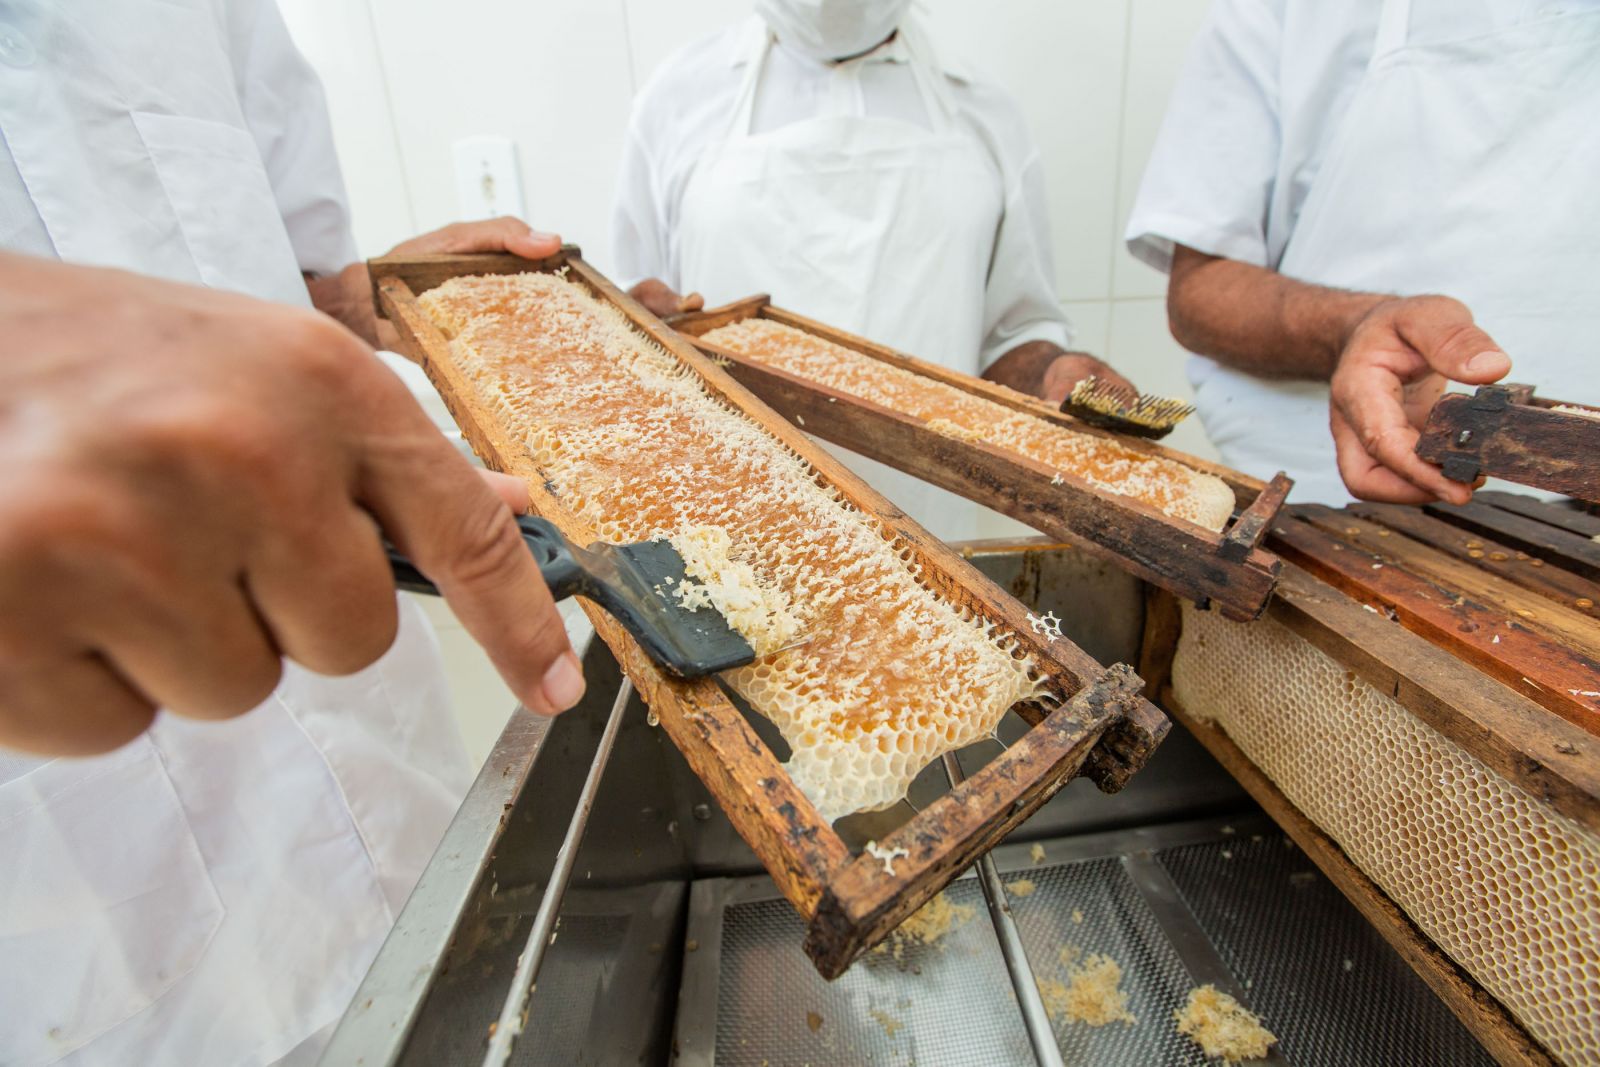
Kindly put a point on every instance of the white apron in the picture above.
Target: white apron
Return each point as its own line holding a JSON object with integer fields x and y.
{"x": 876, "y": 226}
{"x": 1468, "y": 168}
{"x": 211, "y": 893}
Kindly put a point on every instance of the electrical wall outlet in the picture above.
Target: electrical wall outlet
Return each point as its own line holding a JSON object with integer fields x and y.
{"x": 488, "y": 181}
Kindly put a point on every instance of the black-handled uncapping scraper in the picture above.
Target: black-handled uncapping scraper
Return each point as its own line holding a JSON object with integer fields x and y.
{"x": 635, "y": 584}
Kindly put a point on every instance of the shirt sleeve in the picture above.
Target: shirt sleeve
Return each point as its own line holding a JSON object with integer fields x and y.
{"x": 1210, "y": 178}
{"x": 639, "y": 226}
{"x": 287, "y": 114}
{"x": 1020, "y": 302}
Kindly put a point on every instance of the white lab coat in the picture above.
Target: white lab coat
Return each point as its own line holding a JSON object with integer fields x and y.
{"x": 1453, "y": 150}
{"x": 212, "y": 892}
{"x": 894, "y": 196}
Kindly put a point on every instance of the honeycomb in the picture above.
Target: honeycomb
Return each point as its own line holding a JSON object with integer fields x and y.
{"x": 1506, "y": 886}
{"x": 889, "y": 676}
{"x": 1164, "y": 484}
{"x": 1222, "y": 1027}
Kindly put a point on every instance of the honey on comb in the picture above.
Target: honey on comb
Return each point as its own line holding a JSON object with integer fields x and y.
{"x": 889, "y": 676}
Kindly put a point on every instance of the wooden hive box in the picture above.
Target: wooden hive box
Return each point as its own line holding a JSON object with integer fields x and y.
{"x": 1446, "y": 776}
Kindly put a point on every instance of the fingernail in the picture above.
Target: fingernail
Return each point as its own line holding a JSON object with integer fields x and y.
{"x": 540, "y": 235}
{"x": 1489, "y": 362}
{"x": 563, "y": 683}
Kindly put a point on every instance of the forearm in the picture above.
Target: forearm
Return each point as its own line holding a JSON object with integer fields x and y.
{"x": 1260, "y": 321}
{"x": 1024, "y": 367}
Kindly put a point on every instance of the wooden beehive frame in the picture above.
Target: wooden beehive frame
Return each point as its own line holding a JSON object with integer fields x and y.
{"x": 1228, "y": 570}
{"x": 851, "y": 902}
{"x": 1504, "y": 431}
{"x": 1410, "y": 629}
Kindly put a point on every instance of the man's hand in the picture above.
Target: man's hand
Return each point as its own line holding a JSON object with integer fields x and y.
{"x": 1066, "y": 371}
{"x": 1048, "y": 371}
{"x": 347, "y": 296}
{"x": 1393, "y": 369}
{"x": 192, "y": 485}
{"x": 661, "y": 300}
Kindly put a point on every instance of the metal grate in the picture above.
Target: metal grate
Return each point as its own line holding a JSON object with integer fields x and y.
{"x": 949, "y": 1005}
{"x": 1319, "y": 975}
{"x": 577, "y": 972}
{"x": 1116, "y": 921}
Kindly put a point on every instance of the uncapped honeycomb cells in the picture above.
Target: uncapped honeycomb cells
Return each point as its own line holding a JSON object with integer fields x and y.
{"x": 1164, "y": 484}
{"x": 889, "y": 676}
{"x": 1505, "y": 885}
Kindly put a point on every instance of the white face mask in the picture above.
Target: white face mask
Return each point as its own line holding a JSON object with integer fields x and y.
{"x": 832, "y": 29}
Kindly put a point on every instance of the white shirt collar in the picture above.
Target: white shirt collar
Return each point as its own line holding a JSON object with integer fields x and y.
{"x": 755, "y": 31}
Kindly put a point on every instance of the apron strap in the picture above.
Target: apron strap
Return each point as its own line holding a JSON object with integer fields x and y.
{"x": 1394, "y": 25}
{"x": 930, "y": 78}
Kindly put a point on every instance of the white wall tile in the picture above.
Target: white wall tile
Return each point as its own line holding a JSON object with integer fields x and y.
{"x": 555, "y": 78}
{"x": 337, "y": 38}
{"x": 1142, "y": 348}
{"x": 1158, "y": 39}
{"x": 1064, "y": 63}
{"x": 1091, "y": 324}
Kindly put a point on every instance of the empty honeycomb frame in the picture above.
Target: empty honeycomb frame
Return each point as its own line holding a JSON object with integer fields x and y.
{"x": 1103, "y": 727}
{"x": 1460, "y": 816}
{"x": 1228, "y": 569}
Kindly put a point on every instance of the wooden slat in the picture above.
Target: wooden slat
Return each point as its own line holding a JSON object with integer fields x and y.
{"x": 801, "y": 851}
{"x": 1553, "y": 760}
{"x": 1187, "y": 559}
{"x": 1481, "y": 1014}
{"x": 1558, "y": 585}
{"x": 1569, "y": 519}
{"x": 1565, "y": 625}
{"x": 1483, "y": 634}
{"x": 1244, "y": 536}
{"x": 1551, "y": 544}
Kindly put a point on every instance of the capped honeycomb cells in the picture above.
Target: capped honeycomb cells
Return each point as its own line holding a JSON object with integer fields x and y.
{"x": 1502, "y": 883}
{"x": 889, "y": 675}
{"x": 1164, "y": 484}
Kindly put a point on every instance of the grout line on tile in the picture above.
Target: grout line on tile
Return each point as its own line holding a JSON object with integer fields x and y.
{"x": 633, "y": 58}
{"x": 1122, "y": 137}
{"x": 394, "y": 122}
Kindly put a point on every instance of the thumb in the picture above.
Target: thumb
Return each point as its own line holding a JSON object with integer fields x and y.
{"x": 532, "y": 244}
{"x": 1444, "y": 334}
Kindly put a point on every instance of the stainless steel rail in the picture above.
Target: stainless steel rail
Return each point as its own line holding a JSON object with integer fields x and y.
{"x": 1034, "y": 1018}
{"x": 514, "y": 1011}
